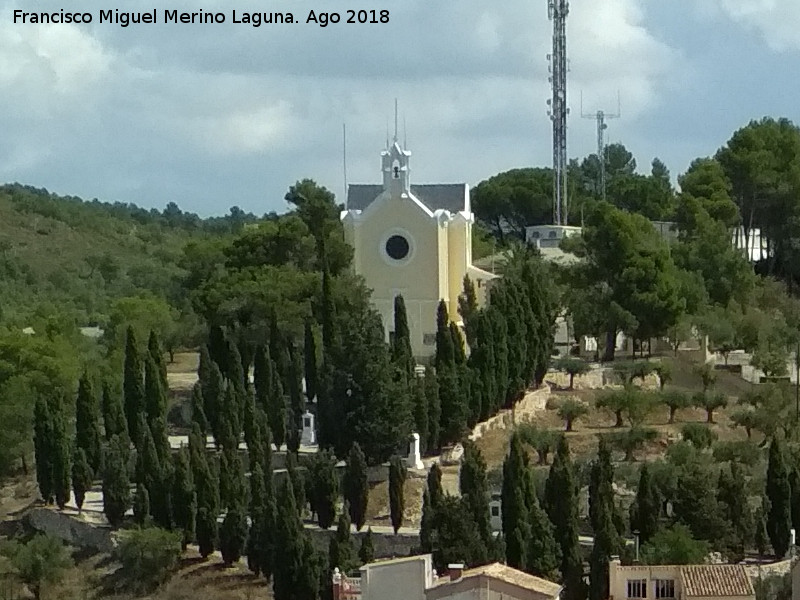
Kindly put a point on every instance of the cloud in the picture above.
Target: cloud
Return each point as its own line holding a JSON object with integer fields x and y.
{"x": 777, "y": 21}
{"x": 232, "y": 114}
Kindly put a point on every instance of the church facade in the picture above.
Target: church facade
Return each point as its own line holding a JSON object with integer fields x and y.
{"x": 414, "y": 241}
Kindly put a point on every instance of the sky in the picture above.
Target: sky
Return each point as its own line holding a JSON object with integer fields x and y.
{"x": 215, "y": 116}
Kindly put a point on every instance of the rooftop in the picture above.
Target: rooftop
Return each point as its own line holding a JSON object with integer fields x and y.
{"x": 448, "y": 196}
{"x": 509, "y": 575}
{"x": 716, "y": 580}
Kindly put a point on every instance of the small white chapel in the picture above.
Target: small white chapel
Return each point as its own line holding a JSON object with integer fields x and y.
{"x": 414, "y": 241}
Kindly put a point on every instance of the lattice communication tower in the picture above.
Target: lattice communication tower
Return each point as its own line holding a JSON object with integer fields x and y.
{"x": 601, "y": 116}
{"x": 557, "y": 12}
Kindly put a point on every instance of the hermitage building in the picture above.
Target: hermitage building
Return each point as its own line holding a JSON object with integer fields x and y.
{"x": 414, "y": 241}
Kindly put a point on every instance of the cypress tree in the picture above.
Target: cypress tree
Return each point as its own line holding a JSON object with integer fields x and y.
{"x": 562, "y": 508}
{"x": 157, "y": 354}
{"x": 232, "y": 536}
{"x": 289, "y": 537}
{"x": 434, "y": 482}
{"x": 296, "y": 401}
{"x": 427, "y": 523}
{"x": 397, "y": 480}
{"x": 324, "y": 488}
{"x": 154, "y": 393}
{"x": 43, "y": 448}
{"x": 434, "y": 410}
{"x": 402, "y": 355}
{"x": 367, "y": 551}
{"x": 646, "y": 508}
{"x": 330, "y": 330}
{"x": 62, "y": 453}
{"x": 252, "y": 431}
{"x": 515, "y": 509}
{"x": 141, "y": 505}
{"x": 761, "y": 536}
{"x": 116, "y": 486}
{"x": 542, "y": 551}
{"x": 419, "y": 401}
{"x": 234, "y": 371}
{"x": 184, "y": 498}
{"x": 310, "y": 361}
{"x": 445, "y": 352}
{"x": 299, "y": 486}
{"x": 262, "y": 375}
{"x": 601, "y": 510}
{"x": 87, "y": 423}
{"x": 198, "y": 409}
{"x": 341, "y": 553}
{"x": 133, "y": 385}
{"x": 230, "y": 420}
{"x": 459, "y": 352}
{"x": 113, "y": 414}
{"x": 732, "y": 496}
{"x": 778, "y": 491}
{"x": 82, "y": 476}
{"x": 214, "y": 402}
{"x": 475, "y": 489}
{"x": 276, "y": 408}
{"x": 468, "y": 309}
{"x": 497, "y": 322}
{"x": 356, "y": 488}
{"x": 206, "y": 531}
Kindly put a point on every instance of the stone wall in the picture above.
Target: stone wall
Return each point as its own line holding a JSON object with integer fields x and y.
{"x": 386, "y": 545}
{"x": 533, "y": 401}
{"x": 71, "y": 529}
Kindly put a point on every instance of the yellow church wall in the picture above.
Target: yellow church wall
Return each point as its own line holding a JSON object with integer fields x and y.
{"x": 417, "y": 279}
{"x": 458, "y": 230}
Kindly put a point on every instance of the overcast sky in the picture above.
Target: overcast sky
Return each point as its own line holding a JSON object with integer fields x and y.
{"x": 211, "y": 116}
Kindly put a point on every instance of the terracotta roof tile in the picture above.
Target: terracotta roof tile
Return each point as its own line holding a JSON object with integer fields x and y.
{"x": 515, "y": 577}
{"x": 716, "y": 580}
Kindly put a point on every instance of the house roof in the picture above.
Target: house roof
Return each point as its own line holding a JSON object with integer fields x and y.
{"x": 447, "y": 196}
{"x": 716, "y": 580}
{"x": 512, "y": 576}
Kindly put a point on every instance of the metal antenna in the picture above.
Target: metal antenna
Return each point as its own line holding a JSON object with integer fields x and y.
{"x": 344, "y": 161}
{"x": 395, "y": 119}
{"x": 601, "y": 116}
{"x": 557, "y": 11}
{"x": 405, "y": 134}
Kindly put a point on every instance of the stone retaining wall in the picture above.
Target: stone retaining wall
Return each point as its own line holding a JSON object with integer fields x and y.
{"x": 533, "y": 401}
{"x": 386, "y": 545}
{"x": 71, "y": 529}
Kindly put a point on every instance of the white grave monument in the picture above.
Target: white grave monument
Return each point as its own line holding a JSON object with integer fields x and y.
{"x": 414, "y": 460}
{"x": 308, "y": 437}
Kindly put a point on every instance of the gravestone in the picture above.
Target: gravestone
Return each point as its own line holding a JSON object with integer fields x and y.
{"x": 308, "y": 437}
{"x": 414, "y": 460}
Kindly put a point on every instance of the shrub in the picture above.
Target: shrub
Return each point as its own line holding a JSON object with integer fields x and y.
{"x": 147, "y": 557}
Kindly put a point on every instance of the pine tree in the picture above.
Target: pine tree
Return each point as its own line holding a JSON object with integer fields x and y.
{"x": 475, "y": 489}
{"x": 61, "y": 452}
{"x": 113, "y": 414}
{"x": 402, "y": 355}
{"x": 116, "y": 486}
{"x": 141, "y": 505}
{"x": 310, "y": 361}
{"x": 232, "y": 536}
{"x": 468, "y": 309}
{"x": 82, "y": 476}
{"x": 43, "y": 448}
{"x": 367, "y": 551}
{"x": 645, "y": 511}
{"x": 198, "y": 409}
{"x": 397, "y": 480}
{"x": 778, "y": 490}
{"x": 133, "y": 385}
{"x": 154, "y": 393}
{"x": 87, "y": 423}
{"x": 561, "y": 503}
{"x": 356, "y": 487}
{"x": 184, "y": 498}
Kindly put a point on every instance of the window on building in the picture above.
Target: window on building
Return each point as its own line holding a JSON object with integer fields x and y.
{"x": 535, "y": 235}
{"x": 397, "y": 247}
{"x": 637, "y": 588}
{"x": 429, "y": 339}
{"x": 665, "y": 588}
{"x": 495, "y": 511}
{"x": 306, "y": 422}
{"x": 552, "y": 234}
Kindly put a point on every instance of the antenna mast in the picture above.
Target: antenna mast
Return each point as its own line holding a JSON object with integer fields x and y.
{"x": 600, "y": 116}
{"x": 557, "y": 11}
{"x": 344, "y": 161}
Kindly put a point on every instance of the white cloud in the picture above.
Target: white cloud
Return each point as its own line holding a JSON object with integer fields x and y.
{"x": 777, "y": 21}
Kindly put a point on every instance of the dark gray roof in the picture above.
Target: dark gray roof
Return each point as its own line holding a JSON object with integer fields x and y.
{"x": 449, "y": 196}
